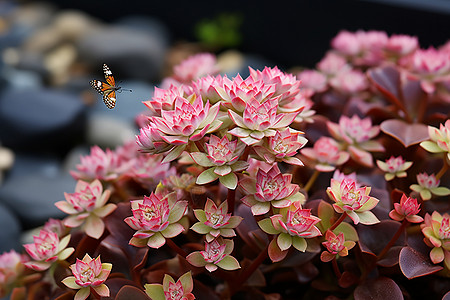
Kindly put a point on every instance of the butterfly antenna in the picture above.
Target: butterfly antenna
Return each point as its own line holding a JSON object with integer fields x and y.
{"x": 122, "y": 89}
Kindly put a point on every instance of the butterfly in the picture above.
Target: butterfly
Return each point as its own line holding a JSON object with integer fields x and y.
{"x": 106, "y": 89}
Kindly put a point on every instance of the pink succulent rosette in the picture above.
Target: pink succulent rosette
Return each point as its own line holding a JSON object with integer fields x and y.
{"x": 349, "y": 82}
{"x": 149, "y": 170}
{"x": 431, "y": 66}
{"x": 150, "y": 140}
{"x": 221, "y": 161}
{"x": 11, "y": 268}
{"x": 286, "y": 85}
{"x": 332, "y": 63}
{"x": 292, "y": 226}
{"x": 189, "y": 121}
{"x": 355, "y": 136}
{"x": 282, "y": 147}
{"x": 353, "y": 200}
{"x": 269, "y": 188}
{"x": 313, "y": 81}
{"x": 215, "y": 221}
{"x": 236, "y": 93}
{"x": 259, "y": 120}
{"x": 399, "y": 45}
{"x": 57, "y": 226}
{"x": 216, "y": 255}
{"x": 436, "y": 230}
{"x": 325, "y": 155}
{"x": 156, "y": 218}
{"x": 87, "y": 207}
{"x": 88, "y": 274}
{"x": 408, "y": 208}
{"x": 362, "y": 48}
{"x": 394, "y": 167}
{"x": 194, "y": 67}
{"x": 206, "y": 88}
{"x": 164, "y": 99}
{"x": 103, "y": 165}
{"x": 302, "y": 105}
{"x": 440, "y": 139}
{"x": 46, "y": 249}
{"x": 428, "y": 185}
{"x": 171, "y": 290}
{"x": 336, "y": 246}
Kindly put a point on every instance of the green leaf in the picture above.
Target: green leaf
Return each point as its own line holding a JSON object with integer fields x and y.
{"x": 70, "y": 282}
{"x": 172, "y": 230}
{"x": 201, "y": 228}
{"x": 440, "y": 191}
{"x": 200, "y": 215}
{"x": 239, "y": 165}
{"x": 326, "y": 213}
{"x": 156, "y": 240}
{"x": 174, "y": 153}
{"x": 207, "y": 176}
{"x": 228, "y": 263}
{"x": 155, "y": 291}
{"x": 431, "y": 147}
{"x": 299, "y": 243}
{"x": 177, "y": 211}
{"x": 284, "y": 241}
{"x": 367, "y": 218}
{"x": 349, "y": 231}
{"x": 186, "y": 282}
{"x": 222, "y": 170}
{"x": 82, "y": 294}
{"x": 267, "y": 227}
{"x": 201, "y": 159}
{"x": 196, "y": 259}
{"x": 229, "y": 181}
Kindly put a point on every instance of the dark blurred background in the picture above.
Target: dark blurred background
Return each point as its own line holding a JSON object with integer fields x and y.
{"x": 288, "y": 32}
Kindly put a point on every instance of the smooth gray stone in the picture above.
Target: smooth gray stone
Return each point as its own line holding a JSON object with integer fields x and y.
{"x": 42, "y": 118}
{"x": 32, "y": 196}
{"x": 10, "y": 229}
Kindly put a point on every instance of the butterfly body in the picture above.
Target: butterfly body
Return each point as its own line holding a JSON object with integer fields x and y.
{"x": 106, "y": 89}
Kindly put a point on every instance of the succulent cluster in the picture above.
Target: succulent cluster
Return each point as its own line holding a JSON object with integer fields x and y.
{"x": 274, "y": 186}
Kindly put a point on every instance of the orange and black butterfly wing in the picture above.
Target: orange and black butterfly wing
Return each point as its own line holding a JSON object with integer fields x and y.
{"x": 106, "y": 89}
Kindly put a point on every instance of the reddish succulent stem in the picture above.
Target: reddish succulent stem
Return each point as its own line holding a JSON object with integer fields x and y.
{"x": 443, "y": 170}
{"x": 96, "y": 295}
{"x": 393, "y": 239}
{"x": 311, "y": 180}
{"x": 336, "y": 270}
{"x": 385, "y": 249}
{"x": 200, "y": 146}
{"x": 175, "y": 248}
{"x": 119, "y": 190}
{"x": 231, "y": 197}
{"x": 247, "y": 272}
{"x": 339, "y": 221}
{"x": 245, "y": 154}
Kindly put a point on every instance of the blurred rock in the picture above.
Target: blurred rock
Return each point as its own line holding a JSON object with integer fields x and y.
{"x": 72, "y": 159}
{"x": 112, "y": 127}
{"x": 6, "y": 160}
{"x": 40, "y": 119}
{"x": 233, "y": 62}
{"x": 128, "y": 52}
{"x": 9, "y": 230}
{"x": 32, "y": 187}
